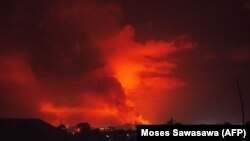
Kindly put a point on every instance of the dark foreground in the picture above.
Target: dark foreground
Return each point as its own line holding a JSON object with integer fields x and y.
{"x": 38, "y": 130}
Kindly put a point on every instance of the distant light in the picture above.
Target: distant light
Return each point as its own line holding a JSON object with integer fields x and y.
{"x": 107, "y": 136}
{"x": 78, "y": 130}
{"x": 104, "y": 129}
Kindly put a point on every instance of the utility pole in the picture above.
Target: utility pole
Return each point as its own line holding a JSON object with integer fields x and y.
{"x": 241, "y": 101}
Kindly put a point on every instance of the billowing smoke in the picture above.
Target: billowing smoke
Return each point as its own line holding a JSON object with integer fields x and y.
{"x": 74, "y": 61}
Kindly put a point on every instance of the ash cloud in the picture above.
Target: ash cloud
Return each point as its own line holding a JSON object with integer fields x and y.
{"x": 48, "y": 56}
{"x": 60, "y": 60}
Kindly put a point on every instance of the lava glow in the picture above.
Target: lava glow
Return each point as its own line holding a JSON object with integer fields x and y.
{"x": 143, "y": 68}
{"x": 136, "y": 63}
{"x": 80, "y": 65}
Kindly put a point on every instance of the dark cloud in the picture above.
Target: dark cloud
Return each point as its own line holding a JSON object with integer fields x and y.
{"x": 241, "y": 54}
{"x": 220, "y": 29}
{"x": 50, "y": 64}
{"x": 78, "y": 60}
{"x": 56, "y": 46}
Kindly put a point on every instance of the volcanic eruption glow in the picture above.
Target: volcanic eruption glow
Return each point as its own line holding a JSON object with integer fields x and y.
{"x": 76, "y": 62}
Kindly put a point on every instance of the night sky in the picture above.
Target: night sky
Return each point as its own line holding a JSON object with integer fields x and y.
{"x": 111, "y": 62}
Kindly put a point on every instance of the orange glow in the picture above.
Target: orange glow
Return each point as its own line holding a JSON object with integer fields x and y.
{"x": 143, "y": 68}
{"x": 135, "y": 64}
{"x": 127, "y": 74}
{"x": 115, "y": 62}
{"x": 61, "y": 111}
{"x": 134, "y": 70}
{"x": 139, "y": 68}
{"x": 99, "y": 110}
{"x": 81, "y": 65}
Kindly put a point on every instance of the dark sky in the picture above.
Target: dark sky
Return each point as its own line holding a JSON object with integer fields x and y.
{"x": 111, "y": 62}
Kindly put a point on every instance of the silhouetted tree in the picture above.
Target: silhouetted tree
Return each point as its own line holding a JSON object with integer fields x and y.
{"x": 171, "y": 121}
{"x": 83, "y": 127}
{"x": 62, "y": 127}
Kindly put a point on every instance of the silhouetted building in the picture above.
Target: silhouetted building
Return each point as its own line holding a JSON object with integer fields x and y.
{"x": 30, "y": 130}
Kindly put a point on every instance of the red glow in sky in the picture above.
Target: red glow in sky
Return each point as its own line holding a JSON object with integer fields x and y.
{"x": 103, "y": 63}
